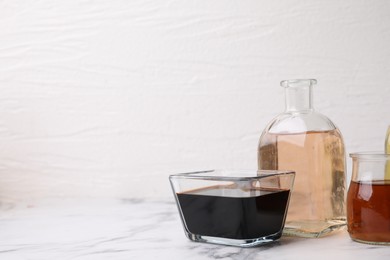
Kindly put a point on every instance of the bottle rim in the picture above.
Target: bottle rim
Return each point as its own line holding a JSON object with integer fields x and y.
{"x": 297, "y": 82}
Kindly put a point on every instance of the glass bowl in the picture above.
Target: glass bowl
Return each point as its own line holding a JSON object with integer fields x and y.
{"x": 233, "y": 207}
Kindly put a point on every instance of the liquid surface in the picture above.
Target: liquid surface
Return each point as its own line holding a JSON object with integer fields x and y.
{"x": 207, "y": 213}
{"x": 369, "y": 211}
{"x": 317, "y": 201}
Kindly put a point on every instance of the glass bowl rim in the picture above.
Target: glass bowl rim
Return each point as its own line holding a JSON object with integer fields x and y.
{"x": 262, "y": 174}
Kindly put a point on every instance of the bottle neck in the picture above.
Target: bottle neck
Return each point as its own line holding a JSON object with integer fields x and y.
{"x": 299, "y": 95}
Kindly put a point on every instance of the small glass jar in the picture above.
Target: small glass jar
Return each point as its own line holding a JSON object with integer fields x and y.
{"x": 368, "y": 199}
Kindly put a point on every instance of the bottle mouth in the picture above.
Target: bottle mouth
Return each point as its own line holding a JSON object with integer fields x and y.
{"x": 298, "y": 83}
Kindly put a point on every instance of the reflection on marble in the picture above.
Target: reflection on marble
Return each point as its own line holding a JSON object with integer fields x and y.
{"x": 138, "y": 229}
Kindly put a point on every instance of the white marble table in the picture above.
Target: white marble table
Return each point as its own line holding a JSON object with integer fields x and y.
{"x": 141, "y": 229}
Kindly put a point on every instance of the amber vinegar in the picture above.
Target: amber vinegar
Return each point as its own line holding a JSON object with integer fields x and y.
{"x": 369, "y": 211}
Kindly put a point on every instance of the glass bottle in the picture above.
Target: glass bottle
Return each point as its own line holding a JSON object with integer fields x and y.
{"x": 387, "y": 151}
{"x": 307, "y": 142}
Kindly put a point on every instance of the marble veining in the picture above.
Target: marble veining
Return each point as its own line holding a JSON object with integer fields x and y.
{"x": 141, "y": 229}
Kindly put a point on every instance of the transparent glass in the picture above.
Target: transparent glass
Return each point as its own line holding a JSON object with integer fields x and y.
{"x": 307, "y": 142}
{"x": 239, "y": 208}
{"x": 368, "y": 200}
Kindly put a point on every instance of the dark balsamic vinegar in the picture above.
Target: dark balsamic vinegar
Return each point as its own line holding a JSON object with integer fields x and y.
{"x": 208, "y": 213}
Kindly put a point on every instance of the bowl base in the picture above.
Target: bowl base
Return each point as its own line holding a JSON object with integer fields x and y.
{"x": 234, "y": 242}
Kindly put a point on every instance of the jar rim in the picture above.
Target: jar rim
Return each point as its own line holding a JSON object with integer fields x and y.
{"x": 370, "y": 155}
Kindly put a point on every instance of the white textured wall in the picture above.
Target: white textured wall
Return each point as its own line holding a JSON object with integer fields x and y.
{"x": 106, "y": 98}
